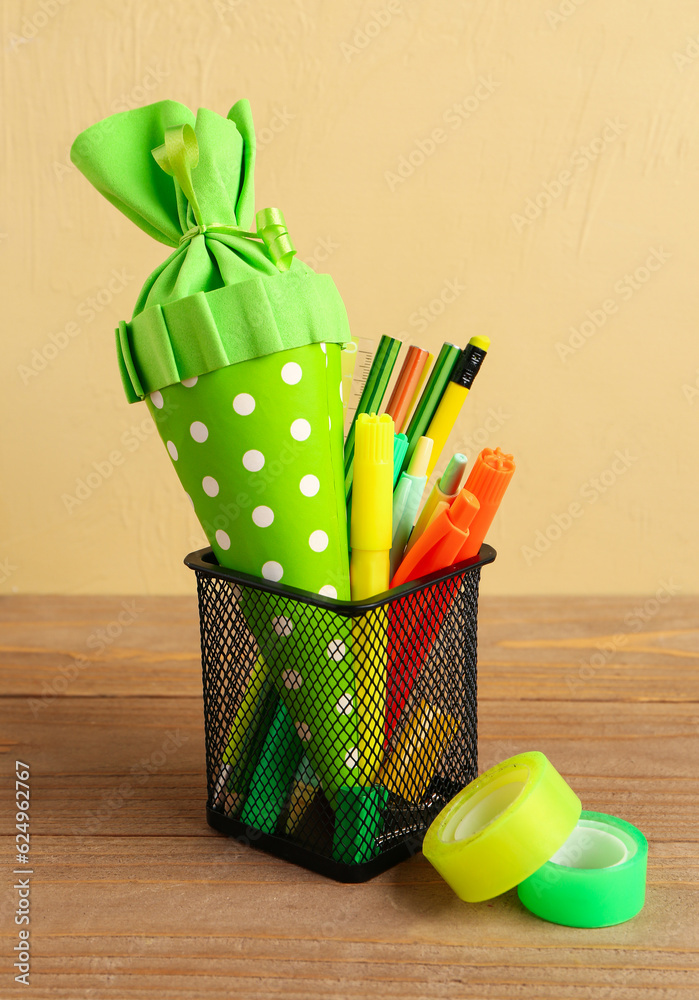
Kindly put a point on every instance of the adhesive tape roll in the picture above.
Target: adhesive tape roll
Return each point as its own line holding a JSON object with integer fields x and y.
{"x": 596, "y": 879}
{"x": 502, "y": 827}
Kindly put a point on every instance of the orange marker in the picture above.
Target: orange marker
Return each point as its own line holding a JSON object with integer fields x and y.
{"x": 438, "y": 547}
{"x": 488, "y": 480}
{"x": 404, "y": 389}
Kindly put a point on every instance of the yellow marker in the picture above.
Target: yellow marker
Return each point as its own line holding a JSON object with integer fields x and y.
{"x": 371, "y": 533}
{"x": 245, "y": 738}
{"x": 370, "y": 539}
{"x": 457, "y": 390}
{"x": 420, "y": 748}
{"x": 370, "y": 664}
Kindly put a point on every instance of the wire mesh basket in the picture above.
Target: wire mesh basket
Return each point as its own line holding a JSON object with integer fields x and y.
{"x": 337, "y": 730}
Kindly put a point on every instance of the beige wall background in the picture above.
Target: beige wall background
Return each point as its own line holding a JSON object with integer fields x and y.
{"x": 542, "y": 158}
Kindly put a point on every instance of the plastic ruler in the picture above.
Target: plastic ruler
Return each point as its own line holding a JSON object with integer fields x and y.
{"x": 356, "y": 363}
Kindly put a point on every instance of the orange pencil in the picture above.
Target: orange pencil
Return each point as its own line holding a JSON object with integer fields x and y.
{"x": 404, "y": 389}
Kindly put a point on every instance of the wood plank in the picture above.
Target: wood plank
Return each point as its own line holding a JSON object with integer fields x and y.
{"x": 529, "y": 648}
{"x": 403, "y": 925}
{"x": 133, "y": 896}
{"x": 86, "y": 753}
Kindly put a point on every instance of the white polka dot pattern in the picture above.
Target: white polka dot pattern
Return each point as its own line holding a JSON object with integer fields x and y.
{"x": 336, "y": 650}
{"x": 318, "y": 540}
{"x": 300, "y": 429}
{"x": 244, "y": 404}
{"x": 309, "y": 485}
{"x": 292, "y": 679}
{"x": 263, "y": 516}
{"x": 272, "y": 571}
{"x": 199, "y": 431}
{"x": 223, "y": 539}
{"x": 292, "y": 373}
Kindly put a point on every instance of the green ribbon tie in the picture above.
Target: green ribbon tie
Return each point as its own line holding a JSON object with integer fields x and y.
{"x": 178, "y": 156}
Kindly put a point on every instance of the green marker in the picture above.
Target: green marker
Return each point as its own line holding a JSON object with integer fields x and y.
{"x": 269, "y": 786}
{"x": 406, "y": 500}
{"x": 400, "y": 446}
{"x": 358, "y": 823}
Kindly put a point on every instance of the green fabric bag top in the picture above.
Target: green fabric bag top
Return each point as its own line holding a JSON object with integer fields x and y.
{"x": 234, "y": 344}
{"x": 225, "y": 295}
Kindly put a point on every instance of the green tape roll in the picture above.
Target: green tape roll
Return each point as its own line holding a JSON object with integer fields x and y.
{"x": 502, "y": 827}
{"x": 596, "y": 879}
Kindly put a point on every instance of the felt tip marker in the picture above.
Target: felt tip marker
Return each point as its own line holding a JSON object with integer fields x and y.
{"x": 443, "y": 491}
{"x": 372, "y": 506}
{"x": 439, "y": 545}
{"x": 406, "y": 499}
{"x": 400, "y": 446}
{"x": 488, "y": 480}
{"x": 460, "y": 382}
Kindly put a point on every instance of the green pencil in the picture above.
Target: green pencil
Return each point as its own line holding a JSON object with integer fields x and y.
{"x": 429, "y": 400}
{"x": 370, "y": 401}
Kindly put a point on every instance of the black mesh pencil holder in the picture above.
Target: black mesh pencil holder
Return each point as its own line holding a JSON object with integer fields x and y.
{"x": 337, "y": 730}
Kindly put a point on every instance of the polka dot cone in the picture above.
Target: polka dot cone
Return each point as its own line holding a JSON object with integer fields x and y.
{"x": 308, "y": 652}
{"x": 258, "y": 447}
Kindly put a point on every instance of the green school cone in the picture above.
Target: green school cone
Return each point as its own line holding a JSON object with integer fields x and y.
{"x": 236, "y": 348}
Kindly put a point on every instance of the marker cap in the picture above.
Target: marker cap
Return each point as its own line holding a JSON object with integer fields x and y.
{"x": 421, "y": 457}
{"x": 373, "y": 483}
{"x": 464, "y": 509}
{"x": 488, "y": 480}
{"x": 451, "y": 477}
{"x": 400, "y": 446}
{"x": 490, "y": 475}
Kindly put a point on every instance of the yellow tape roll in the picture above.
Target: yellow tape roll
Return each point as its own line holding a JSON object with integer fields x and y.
{"x": 502, "y": 827}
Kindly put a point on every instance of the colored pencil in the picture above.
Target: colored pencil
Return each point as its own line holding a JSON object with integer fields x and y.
{"x": 429, "y": 401}
{"x": 404, "y": 389}
{"x": 370, "y": 402}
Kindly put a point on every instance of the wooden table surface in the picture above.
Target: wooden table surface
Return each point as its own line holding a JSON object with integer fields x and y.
{"x": 133, "y": 896}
